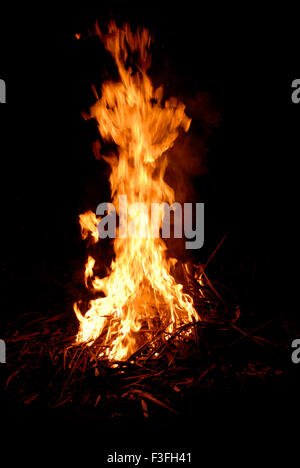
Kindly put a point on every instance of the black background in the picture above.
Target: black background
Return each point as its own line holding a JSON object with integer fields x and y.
{"x": 244, "y": 59}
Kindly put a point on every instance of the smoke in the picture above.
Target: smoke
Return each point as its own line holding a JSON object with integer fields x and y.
{"x": 188, "y": 158}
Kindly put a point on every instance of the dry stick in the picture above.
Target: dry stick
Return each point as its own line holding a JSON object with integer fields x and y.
{"x": 148, "y": 343}
{"x": 214, "y": 252}
{"x": 148, "y": 369}
{"x": 71, "y": 373}
{"x": 211, "y": 286}
{"x": 196, "y": 334}
{"x": 162, "y": 347}
{"x": 150, "y": 397}
{"x": 12, "y": 376}
{"x": 60, "y": 403}
{"x": 248, "y": 335}
{"x": 51, "y": 319}
{"x": 206, "y": 372}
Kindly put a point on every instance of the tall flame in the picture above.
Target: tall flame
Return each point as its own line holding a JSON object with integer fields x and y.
{"x": 139, "y": 295}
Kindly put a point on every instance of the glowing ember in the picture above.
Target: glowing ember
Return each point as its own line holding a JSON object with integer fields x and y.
{"x": 139, "y": 296}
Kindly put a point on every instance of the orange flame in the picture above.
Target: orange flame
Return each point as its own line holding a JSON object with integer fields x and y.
{"x": 140, "y": 295}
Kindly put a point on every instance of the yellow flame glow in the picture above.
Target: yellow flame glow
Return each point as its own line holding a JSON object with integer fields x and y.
{"x": 139, "y": 295}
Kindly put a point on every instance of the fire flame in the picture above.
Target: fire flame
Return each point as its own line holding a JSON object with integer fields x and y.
{"x": 140, "y": 295}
